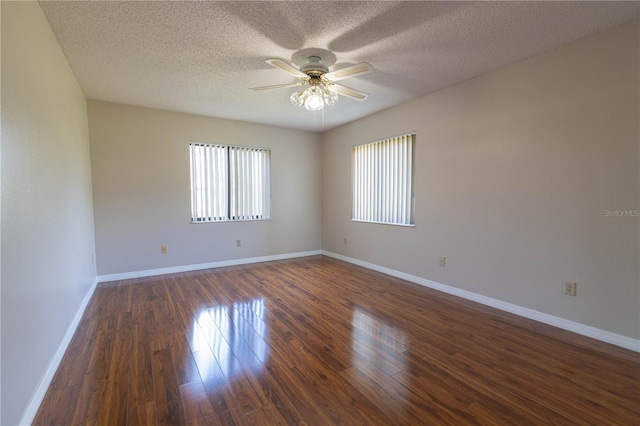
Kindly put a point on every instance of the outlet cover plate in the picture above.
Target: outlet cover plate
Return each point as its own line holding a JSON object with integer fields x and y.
{"x": 570, "y": 288}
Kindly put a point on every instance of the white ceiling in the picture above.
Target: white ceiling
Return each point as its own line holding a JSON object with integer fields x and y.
{"x": 202, "y": 57}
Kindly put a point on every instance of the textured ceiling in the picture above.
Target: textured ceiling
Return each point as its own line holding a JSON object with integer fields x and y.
{"x": 202, "y": 57}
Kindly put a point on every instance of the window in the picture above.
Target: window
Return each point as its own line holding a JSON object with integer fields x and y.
{"x": 382, "y": 179}
{"x": 229, "y": 182}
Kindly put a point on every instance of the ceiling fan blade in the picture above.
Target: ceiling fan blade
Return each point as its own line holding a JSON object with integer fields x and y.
{"x": 349, "y": 92}
{"x": 284, "y": 65}
{"x": 277, "y": 86}
{"x": 350, "y": 71}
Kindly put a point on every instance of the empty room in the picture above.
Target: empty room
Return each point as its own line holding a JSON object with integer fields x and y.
{"x": 320, "y": 213}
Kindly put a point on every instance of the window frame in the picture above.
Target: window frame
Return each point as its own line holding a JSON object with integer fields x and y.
{"x": 231, "y": 184}
{"x": 374, "y": 210}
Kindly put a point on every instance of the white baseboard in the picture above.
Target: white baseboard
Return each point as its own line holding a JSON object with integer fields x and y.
{"x": 41, "y": 390}
{"x": 199, "y": 266}
{"x": 585, "y": 330}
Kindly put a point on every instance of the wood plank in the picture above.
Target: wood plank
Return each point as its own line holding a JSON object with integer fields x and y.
{"x": 113, "y": 407}
{"x": 214, "y": 382}
{"x": 88, "y": 401}
{"x": 169, "y": 410}
{"x": 140, "y": 373}
{"x": 197, "y": 408}
{"x": 143, "y": 415}
{"x": 51, "y": 414}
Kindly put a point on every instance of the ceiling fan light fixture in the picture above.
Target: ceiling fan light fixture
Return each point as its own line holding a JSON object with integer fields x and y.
{"x": 314, "y": 98}
{"x": 322, "y": 90}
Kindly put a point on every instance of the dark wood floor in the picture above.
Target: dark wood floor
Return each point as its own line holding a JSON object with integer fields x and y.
{"x": 320, "y": 342}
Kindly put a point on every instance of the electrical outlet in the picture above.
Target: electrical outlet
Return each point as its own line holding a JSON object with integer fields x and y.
{"x": 238, "y": 243}
{"x": 570, "y": 288}
{"x": 345, "y": 240}
{"x": 165, "y": 249}
{"x": 443, "y": 261}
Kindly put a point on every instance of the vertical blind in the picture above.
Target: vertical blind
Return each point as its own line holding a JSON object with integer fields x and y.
{"x": 229, "y": 182}
{"x": 382, "y": 179}
{"x": 249, "y": 183}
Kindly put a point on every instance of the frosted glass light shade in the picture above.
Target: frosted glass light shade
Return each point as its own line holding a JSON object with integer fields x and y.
{"x": 330, "y": 98}
{"x": 314, "y": 100}
{"x": 296, "y": 99}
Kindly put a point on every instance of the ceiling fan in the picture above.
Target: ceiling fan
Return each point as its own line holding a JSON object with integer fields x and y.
{"x": 322, "y": 88}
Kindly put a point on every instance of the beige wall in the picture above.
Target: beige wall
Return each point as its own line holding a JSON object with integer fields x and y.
{"x": 140, "y": 166}
{"x": 47, "y": 219}
{"x": 514, "y": 173}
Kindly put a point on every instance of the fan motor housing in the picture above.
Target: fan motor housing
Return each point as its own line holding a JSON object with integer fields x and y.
{"x": 313, "y": 67}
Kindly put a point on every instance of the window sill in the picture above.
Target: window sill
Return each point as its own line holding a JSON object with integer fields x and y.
{"x": 412, "y": 225}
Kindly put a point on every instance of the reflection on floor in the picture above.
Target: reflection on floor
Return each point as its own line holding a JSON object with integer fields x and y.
{"x": 231, "y": 331}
